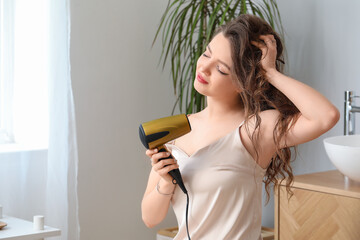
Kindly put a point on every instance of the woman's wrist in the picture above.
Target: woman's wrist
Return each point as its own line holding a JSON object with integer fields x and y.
{"x": 165, "y": 188}
{"x": 271, "y": 74}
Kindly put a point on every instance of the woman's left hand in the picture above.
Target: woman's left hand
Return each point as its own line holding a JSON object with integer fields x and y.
{"x": 269, "y": 51}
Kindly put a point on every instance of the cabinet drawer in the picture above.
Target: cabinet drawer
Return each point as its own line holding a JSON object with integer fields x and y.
{"x": 314, "y": 215}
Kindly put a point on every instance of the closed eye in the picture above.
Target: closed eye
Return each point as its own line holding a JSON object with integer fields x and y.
{"x": 221, "y": 72}
{"x": 204, "y": 54}
{"x": 217, "y": 66}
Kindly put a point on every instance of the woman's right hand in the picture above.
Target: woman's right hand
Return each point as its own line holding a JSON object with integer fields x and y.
{"x": 162, "y": 167}
{"x": 159, "y": 190}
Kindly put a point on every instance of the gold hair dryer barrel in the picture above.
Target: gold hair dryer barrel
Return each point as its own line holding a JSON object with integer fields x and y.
{"x": 160, "y": 131}
{"x": 156, "y": 133}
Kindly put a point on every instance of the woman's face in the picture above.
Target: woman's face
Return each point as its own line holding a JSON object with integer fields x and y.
{"x": 214, "y": 70}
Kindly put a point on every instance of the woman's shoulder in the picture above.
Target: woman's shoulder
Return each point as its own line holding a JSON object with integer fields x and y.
{"x": 267, "y": 117}
{"x": 265, "y": 127}
{"x": 194, "y": 118}
{"x": 269, "y": 114}
{"x": 194, "y": 115}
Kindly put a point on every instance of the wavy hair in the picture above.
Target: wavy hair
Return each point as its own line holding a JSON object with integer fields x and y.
{"x": 257, "y": 94}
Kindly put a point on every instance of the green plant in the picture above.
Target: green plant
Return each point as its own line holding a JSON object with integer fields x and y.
{"x": 188, "y": 25}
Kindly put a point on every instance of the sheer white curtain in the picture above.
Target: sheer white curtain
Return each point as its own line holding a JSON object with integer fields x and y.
{"x": 61, "y": 189}
{"x": 41, "y": 181}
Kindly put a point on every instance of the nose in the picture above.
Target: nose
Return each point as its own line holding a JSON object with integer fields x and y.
{"x": 205, "y": 66}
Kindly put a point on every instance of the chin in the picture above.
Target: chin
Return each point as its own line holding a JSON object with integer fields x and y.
{"x": 199, "y": 88}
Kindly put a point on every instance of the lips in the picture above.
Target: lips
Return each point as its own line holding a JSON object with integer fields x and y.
{"x": 201, "y": 79}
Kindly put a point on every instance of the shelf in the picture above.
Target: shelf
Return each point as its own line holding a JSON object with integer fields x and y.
{"x": 20, "y": 229}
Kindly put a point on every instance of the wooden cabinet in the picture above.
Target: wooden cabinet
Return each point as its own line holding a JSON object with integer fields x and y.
{"x": 324, "y": 206}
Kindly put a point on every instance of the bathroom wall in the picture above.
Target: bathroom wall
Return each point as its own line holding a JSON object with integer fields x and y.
{"x": 322, "y": 41}
{"x": 117, "y": 85}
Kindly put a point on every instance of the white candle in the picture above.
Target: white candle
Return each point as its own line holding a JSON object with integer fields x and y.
{"x": 38, "y": 222}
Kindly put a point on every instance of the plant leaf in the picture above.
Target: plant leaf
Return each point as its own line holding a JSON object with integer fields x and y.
{"x": 187, "y": 26}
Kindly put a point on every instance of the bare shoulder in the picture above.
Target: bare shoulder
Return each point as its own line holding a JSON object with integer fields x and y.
{"x": 270, "y": 115}
{"x": 268, "y": 121}
{"x": 194, "y": 120}
{"x": 265, "y": 143}
{"x": 194, "y": 116}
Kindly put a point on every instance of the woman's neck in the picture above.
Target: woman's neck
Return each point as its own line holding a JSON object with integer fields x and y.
{"x": 219, "y": 109}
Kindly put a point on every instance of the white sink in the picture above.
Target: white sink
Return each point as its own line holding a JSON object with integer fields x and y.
{"x": 344, "y": 153}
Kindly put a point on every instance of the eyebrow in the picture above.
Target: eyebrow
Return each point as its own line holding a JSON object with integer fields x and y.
{"x": 208, "y": 46}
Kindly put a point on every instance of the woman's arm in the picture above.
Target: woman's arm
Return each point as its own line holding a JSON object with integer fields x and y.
{"x": 156, "y": 200}
{"x": 317, "y": 114}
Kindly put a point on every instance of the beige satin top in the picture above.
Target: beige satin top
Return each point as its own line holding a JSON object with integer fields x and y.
{"x": 225, "y": 186}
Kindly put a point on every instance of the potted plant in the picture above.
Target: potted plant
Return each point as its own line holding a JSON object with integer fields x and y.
{"x": 186, "y": 28}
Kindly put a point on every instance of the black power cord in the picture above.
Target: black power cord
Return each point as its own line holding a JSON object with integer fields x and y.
{"x": 177, "y": 179}
{"x": 187, "y": 211}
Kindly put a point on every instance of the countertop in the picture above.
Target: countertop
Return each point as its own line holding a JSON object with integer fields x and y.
{"x": 332, "y": 182}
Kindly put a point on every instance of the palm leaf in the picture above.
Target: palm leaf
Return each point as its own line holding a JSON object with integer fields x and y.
{"x": 213, "y": 17}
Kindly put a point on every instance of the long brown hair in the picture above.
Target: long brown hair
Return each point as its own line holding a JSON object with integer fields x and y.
{"x": 257, "y": 94}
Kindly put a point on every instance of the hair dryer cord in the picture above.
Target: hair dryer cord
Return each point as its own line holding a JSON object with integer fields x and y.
{"x": 187, "y": 213}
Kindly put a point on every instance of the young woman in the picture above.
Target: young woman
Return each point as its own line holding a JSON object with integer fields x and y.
{"x": 242, "y": 138}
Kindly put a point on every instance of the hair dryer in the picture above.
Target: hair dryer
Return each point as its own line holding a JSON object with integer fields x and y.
{"x": 156, "y": 133}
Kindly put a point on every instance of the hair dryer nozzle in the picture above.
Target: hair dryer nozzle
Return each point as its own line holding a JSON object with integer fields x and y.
{"x": 143, "y": 136}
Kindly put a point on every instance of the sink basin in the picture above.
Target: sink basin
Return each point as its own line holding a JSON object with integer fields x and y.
{"x": 344, "y": 153}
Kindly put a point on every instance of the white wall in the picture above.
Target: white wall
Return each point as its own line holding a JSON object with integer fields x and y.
{"x": 323, "y": 46}
{"x": 117, "y": 85}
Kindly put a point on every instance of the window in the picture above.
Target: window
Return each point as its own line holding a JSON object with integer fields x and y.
{"x": 23, "y": 72}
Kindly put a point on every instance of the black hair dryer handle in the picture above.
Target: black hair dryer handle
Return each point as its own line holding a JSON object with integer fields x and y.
{"x": 175, "y": 173}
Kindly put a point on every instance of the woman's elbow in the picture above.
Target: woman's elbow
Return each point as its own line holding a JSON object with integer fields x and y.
{"x": 332, "y": 117}
{"x": 148, "y": 218}
{"x": 148, "y": 223}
